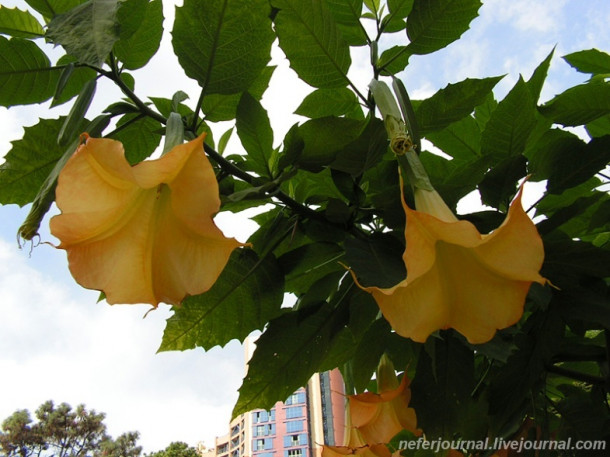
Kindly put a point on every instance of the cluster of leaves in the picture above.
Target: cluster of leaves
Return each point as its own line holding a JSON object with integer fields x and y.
{"x": 61, "y": 431}
{"x": 334, "y": 192}
{"x": 176, "y": 449}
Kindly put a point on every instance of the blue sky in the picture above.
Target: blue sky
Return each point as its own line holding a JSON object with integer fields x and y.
{"x": 57, "y": 343}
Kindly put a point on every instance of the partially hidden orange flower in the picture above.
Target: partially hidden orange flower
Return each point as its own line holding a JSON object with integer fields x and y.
{"x": 141, "y": 234}
{"x": 380, "y": 416}
{"x": 355, "y": 445}
{"x": 458, "y": 278}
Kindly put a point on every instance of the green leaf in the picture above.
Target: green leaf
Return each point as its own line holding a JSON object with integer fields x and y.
{"x": 78, "y": 77}
{"x": 327, "y": 102}
{"x": 25, "y": 73}
{"x": 287, "y": 354}
{"x": 347, "y": 16}
{"x": 461, "y": 140}
{"x": 254, "y": 131}
{"x": 535, "y": 83}
{"x": 453, "y": 103}
{"x": 579, "y": 105}
{"x": 507, "y": 131}
{"x": 17, "y": 23}
{"x": 219, "y": 107}
{"x": 364, "y": 152}
{"x": 308, "y": 33}
{"x": 511, "y": 385}
{"x": 248, "y": 293}
{"x": 29, "y": 162}
{"x": 376, "y": 260}
{"x": 323, "y": 138}
{"x": 130, "y": 17}
{"x": 136, "y": 50}
{"x": 599, "y": 127}
{"x": 500, "y": 184}
{"x": 140, "y": 136}
{"x": 568, "y": 261}
{"x": 442, "y": 388}
{"x": 590, "y": 61}
{"x": 395, "y": 21}
{"x": 454, "y": 179}
{"x": 50, "y": 8}
{"x": 225, "y": 44}
{"x": 566, "y": 161}
{"x": 434, "y": 24}
{"x": 393, "y": 60}
{"x": 306, "y": 264}
{"x": 88, "y": 31}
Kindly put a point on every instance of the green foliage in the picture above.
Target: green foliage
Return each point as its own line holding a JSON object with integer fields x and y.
{"x": 176, "y": 449}
{"x": 328, "y": 194}
{"x": 26, "y": 75}
{"x": 60, "y": 430}
{"x": 223, "y": 45}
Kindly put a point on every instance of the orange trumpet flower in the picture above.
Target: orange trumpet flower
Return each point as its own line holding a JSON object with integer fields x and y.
{"x": 458, "y": 278}
{"x": 141, "y": 234}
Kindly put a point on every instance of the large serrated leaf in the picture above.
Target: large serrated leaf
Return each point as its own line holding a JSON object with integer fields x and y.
{"x": 507, "y": 131}
{"x": 312, "y": 43}
{"x": 17, "y": 23}
{"x": 248, "y": 294}
{"x": 579, "y": 105}
{"x": 434, "y": 24}
{"x": 29, "y": 162}
{"x": 287, "y": 354}
{"x": 327, "y": 102}
{"x": 25, "y": 73}
{"x": 453, "y": 103}
{"x": 88, "y": 31}
{"x": 139, "y": 47}
{"x": 225, "y": 44}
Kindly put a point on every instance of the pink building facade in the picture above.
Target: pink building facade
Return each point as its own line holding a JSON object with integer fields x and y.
{"x": 298, "y": 427}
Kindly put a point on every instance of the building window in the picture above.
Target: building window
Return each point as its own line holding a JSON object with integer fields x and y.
{"x": 265, "y": 454}
{"x": 294, "y": 426}
{"x": 259, "y": 430}
{"x": 294, "y": 412}
{"x": 295, "y": 440}
{"x": 260, "y": 416}
{"x": 296, "y": 398}
{"x": 293, "y": 453}
{"x": 270, "y": 429}
{"x": 259, "y": 445}
{"x": 235, "y": 430}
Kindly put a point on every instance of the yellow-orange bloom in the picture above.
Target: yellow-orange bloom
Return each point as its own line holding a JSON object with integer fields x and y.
{"x": 141, "y": 234}
{"x": 355, "y": 445}
{"x": 457, "y": 277}
{"x": 379, "y": 417}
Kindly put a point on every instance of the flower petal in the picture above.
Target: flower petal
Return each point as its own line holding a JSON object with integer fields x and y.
{"x": 141, "y": 234}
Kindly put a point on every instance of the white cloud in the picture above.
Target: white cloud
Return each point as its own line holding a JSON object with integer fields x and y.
{"x": 57, "y": 343}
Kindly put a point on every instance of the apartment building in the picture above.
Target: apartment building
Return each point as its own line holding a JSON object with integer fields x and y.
{"x": 312, "y": 416}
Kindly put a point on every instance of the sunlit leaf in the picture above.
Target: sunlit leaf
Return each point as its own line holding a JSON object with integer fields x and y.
{"x": 29, "y": 162}
{"x": 25, "y": 73}
{"x": 248, "y": 293}
{"x": 88, "y": 31}
{"x": 590, "y": 61}
{"x": 136, "y": 50}
{"x": 254, "y": 131}
{"x": 224, "y": 45}
{"x": 453, "y": 103}
{"x": 434, "y": 24}
{"x": 308, "y": 33}
{"x": 579, "y": 105}
{"x": 17, "y": 23}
